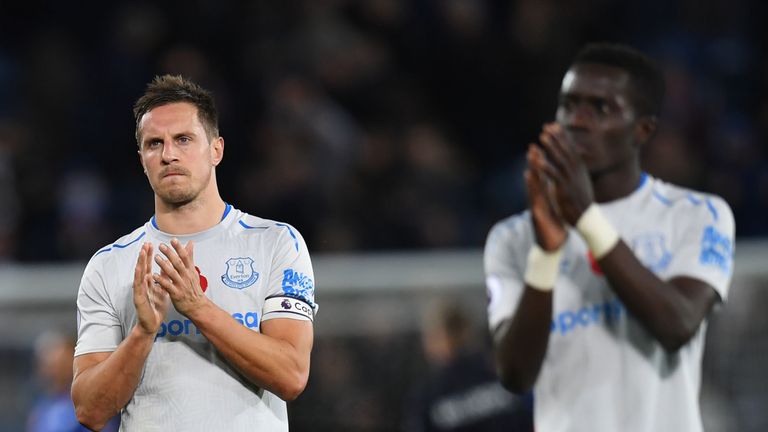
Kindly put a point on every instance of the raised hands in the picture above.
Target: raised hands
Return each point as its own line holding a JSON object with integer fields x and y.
{"x": 179, "y": 278}
{"x": 548, "y": 225}
{"x": 150, "y": 300}
{"x": 573, "y": 191}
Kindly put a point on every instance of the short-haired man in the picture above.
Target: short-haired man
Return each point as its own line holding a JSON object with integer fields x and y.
{"x": 214, "y": 332}
{"x": 599, "y": 293}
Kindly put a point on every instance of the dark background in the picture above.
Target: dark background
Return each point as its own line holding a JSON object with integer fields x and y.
{"x": 368, "y": 124}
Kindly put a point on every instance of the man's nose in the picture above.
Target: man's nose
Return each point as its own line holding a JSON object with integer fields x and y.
{"x": 169, "y": 153}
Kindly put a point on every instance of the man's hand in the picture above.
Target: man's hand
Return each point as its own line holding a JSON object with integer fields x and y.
{"x": 179, "y": 278}
{"x": 573, "y": 186}
{"x": 547, "y": 223}
{"x": 151, "y": 302}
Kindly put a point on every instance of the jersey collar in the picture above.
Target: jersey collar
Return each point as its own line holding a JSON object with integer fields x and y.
{"x": 223, "y": 222}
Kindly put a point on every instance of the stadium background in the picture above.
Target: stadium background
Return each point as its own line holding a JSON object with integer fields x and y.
{"x": 390, "y": 132}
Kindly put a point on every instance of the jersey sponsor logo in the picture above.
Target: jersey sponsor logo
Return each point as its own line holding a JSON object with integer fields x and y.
{"x": 178, "y": 327}
{"x": 571, "y": 320}
{"x": 298, "y": 285}
{"x": 716, "y": 250}
{"x": 651, "y": 250}
{"x": 240, "y": 273}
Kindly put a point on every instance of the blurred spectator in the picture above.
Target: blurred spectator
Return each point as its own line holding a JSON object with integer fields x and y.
{"x": 431, "y": 194}
{"x": 82, "y": 208}
{"x": 461, "y": 392}
{"x": 53, "y": 411}
{"x": 357, "y": 405}
{"x": 318, "y": 91}
{"x": 10, "y": 206}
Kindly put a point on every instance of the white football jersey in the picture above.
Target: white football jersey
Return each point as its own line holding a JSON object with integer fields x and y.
{"x": 253, "y": 268}
{"x": 603, "y": 371}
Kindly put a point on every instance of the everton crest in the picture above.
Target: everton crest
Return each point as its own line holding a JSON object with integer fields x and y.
{"x": 651, "y": 250}
{"x": 240, "y": 273}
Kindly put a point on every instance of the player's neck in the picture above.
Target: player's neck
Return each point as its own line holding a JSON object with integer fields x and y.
{"x": 198, "y": 215}
{"x": 615, "y": 184}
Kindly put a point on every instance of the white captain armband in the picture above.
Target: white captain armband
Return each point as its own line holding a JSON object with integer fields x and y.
{"x": 288, "y": 307}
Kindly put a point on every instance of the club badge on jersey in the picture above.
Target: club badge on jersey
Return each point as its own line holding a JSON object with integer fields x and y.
{"x": 240, "y": 273}
{"x": 651, "y": 249}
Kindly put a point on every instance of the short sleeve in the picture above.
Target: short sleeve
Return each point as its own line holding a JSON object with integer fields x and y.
{"x": 706, "y": 246}
{"x": 504, "y": 268}
{"x": 98, "y": 326}
{"x": 291, "y": 285}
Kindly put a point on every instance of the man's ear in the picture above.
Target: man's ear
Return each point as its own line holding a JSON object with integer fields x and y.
{"x": 645, "y": 129}
{"x": 217, "y": 151}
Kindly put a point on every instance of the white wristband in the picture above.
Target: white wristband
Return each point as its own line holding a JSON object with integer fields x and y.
{"x": 543, "y": 268}
{"x": 598, "y": 232}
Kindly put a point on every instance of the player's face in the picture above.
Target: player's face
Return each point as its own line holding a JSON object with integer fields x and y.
{"x": 597, "y": 117}
{"x": 176, "y": 153}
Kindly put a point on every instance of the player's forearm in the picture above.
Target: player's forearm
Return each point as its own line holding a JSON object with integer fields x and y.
{"x": 666, "y": 313}
{"x": 521, "y": 343}
{"x": 268, "y": 362}
{"x": 100, "y": 391}
{"x": 662, "y": 308}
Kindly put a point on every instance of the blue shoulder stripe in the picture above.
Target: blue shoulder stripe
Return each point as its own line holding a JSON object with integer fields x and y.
{"x": 121, "y": 246}
{"x": 712, "y": 209}
{"x": 290, "y": 231}
{"x": 692, "y": 198}
{"x": 295, "y": 240}
{"x": 246, "y": 226}
{"x": 664, "y": 200}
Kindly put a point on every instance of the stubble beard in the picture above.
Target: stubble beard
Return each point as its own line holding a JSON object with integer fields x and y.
{"x": 180, "y": 195}
{"x": 177, "y": 197}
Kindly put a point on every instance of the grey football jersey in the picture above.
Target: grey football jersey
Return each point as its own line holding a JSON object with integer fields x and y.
{"x": 253, "y": 268}
{"x": 602, "y": 370}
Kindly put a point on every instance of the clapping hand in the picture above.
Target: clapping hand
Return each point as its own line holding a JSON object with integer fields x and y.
{"x": 179, "y": 278}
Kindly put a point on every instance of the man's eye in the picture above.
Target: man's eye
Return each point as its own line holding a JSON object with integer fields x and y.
{"x": 154, "y": 143}
{"x": 184, "y": 139}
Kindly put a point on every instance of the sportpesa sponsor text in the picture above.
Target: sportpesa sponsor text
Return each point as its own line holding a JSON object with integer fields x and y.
{"x": 178, "y": 327}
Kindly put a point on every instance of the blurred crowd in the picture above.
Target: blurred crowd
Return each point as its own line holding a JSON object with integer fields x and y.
{"x": 368, "y": 124}
{"x": 52, "y": 410}
{"x": 439, "y": 379}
